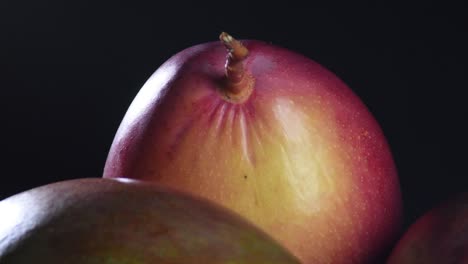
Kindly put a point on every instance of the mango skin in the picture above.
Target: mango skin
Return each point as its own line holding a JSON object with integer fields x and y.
{"x": 439, "y": 236}
{"x": 302, "y": 157}
{"x": 105, "y": 221}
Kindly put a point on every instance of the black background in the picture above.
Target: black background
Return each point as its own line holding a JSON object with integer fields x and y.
{"x": 69, "y": 70}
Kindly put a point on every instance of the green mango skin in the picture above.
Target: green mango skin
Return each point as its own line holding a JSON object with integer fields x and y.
{"x": 122, "y": 221}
